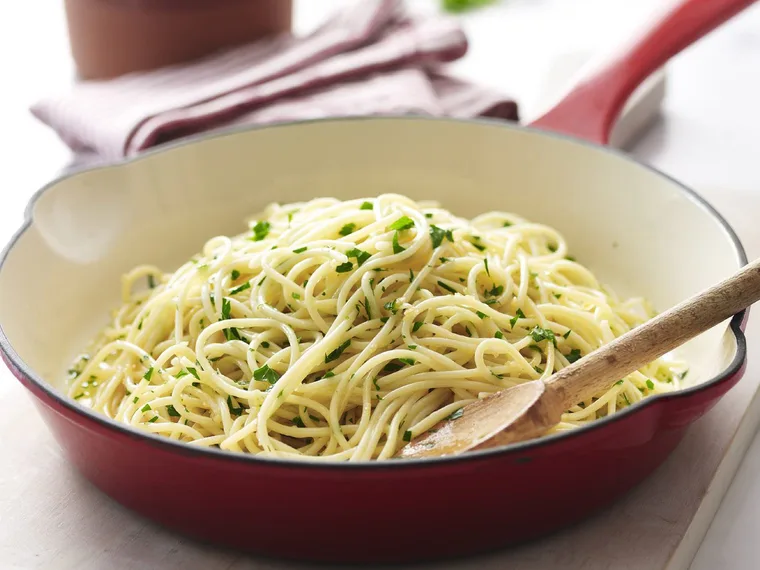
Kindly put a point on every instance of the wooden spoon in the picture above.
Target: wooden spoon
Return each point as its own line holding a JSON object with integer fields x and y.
{"x": 528, "y": 410}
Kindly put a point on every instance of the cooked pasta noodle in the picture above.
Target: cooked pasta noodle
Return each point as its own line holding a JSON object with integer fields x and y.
{"x": 338, "y": 330}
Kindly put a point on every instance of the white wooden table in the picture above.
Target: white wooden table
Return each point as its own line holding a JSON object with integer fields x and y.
{"x": 707, "y": 137}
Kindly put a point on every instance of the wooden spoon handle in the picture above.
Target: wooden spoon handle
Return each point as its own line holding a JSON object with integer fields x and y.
{"x": 597, "y": 371}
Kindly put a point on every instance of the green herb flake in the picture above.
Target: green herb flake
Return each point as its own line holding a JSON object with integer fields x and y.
{"x": 151, "y": 281}
{"x": 448, "y": 288}
{"x": 134, "y": 400}
{"x": 627, "y": 401}
{"x": 359, "y": 255}
{"x": 181, "y": 374}
{"x": 265, "y": 373}
{"x": 79, "y": 396}
{"x": 347, "y": 229}
{"x": 481, "y": 314}
{"x": 265, "y": 344}
{"x": 575, "y": 354}
{"x": 366, "y": 206}
{"x": 437, "y": 235}
{"x": 396, "y": 247}
{"x": 344, "y": 267}
{"x": 507, "y": 224}
{"x": 417, "y": 325}
{"x": 391, "y": 306}
{"x": 538, "y": 334}
{"x": 650, "y": 384}
{"x": 260, "y": 231}
{"x": 235, "y": 274}
{"x": 300, "y": 249}
{"x": 408, "y": 361}
{"x": 499, "y": 335}
{"x": 329, "y": 374}
{"x": 153, "y": 419}
{"x": 478, "y": 246}
{"x": 375, "y": 384}
{"x": 403, "y": 223}
{"x": 295, "y": 295}
{"x": 384, "y": 319}
{"x": 243, "y": 287}
{"x": 411, "y": 275}
{"x": 407, "y": 435}
{"x": 148, "y": 374}
{"x": 173, "y": 413}
{"x": 313, "y": 418}
{"x": 412, "y": 347}
{"x": 619, "y": 383}
{"x": 485, "y": 263}
{"x": 299, "y": 422}
{"x": 456, "y": 415}
{"x": 335, "y": 354}
{"x": 518, "y": 315}
{"x": 538, "y": 369}
{"x": 496, "y": 291}
{"x": 551, "y": 247}
{"x": 570, "y": 258}
{"x": 145, "y": 408}
{"x": 233, "y": 410}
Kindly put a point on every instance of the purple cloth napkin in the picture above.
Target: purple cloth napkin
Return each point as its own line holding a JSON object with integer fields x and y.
{"x": 371, "y": 58}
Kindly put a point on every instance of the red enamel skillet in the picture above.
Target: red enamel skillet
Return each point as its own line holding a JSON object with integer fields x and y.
{"x": 639, "y": 230}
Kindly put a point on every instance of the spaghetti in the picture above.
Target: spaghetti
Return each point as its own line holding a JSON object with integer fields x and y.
{"x": 339, "y": 330}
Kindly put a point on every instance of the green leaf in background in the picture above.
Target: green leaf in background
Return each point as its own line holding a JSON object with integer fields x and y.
{"x": 463, "y": 5}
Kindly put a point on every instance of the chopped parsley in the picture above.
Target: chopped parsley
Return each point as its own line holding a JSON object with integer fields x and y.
{"x": 538, "y": 334}
{"x": 335, "y": 354}
{"x": 79, "y": 396}
{"x": 456, "y": 415}
{"x": 570, "y": 258}
{"x": 408, "y": 361}
{"x": 260, "y": 231}
{"x": 411, "y": 275}
{"x": 408, "y": 435}
{"x": 243, "y": 287}
{"x": 145, "y": 408}
{"x": 496, "y": 291}
{"x": 300, "y": 249}
{"x": 403, "y": 223}
{"x": 148, "y": 374}
{"x": 194, "y": 372}
{"x": 235, "y": 274}
{"x": 619, "y": 383}
{"x": 295, "y": 295}
{"x": 384, "y": 319}
{"x": 538, "y": 369}
{"x": 344, "y": 267}
{"x": 481, "y": 314}
{"x": 551, "y": 247}
{"x": 265, "y": 344}
{"x": 347, "y": 229}
{"x": 181, "y": 374}
{"x": 575, "y": 354}
{"x": 412, "y": 347}
{"x": 375, "y": 384}
{"x": 391, "y": 306}
{"x": 267, "y": 374}
{"x": 151, "y": 281}
{"x": 230, "y": 333}
{"x": 507, "y": 224}
{"x": 448, "y": 288}
{"x": 499, "y": 335}
{"x": 366, "y": 206}
{"x": 396, "y": 247}
{"x": 518, "y": 315}
{"x": 437, "y": 236}
{"x": 153, "y": 419}
{"x": 567, "y": 334}
{"x": 485, "y": 262}
{"x": 417, "y": 325}
{"x": 233, "y": 410}
{"x": 173, "y": 413}
{"x": 299, "y": 422}
{"x": 478, "y": 246}
{"x": 134, "y": 400}
{"x": 650, "y": 384}
{"x": 443, "y": 259}
{"x": 329, "y": 374}
{"x": 359, "y": 255}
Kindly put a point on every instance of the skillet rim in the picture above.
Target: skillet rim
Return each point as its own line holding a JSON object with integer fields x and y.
{"x": 521, "y": 448}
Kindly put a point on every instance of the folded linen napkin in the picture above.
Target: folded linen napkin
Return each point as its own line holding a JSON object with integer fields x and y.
{"x": 371, "y": 58}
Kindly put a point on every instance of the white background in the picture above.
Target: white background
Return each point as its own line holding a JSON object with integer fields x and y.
{"x": 706, "y": 136}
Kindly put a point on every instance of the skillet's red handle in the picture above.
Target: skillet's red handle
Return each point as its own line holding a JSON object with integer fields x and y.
{"x": 590, "y": 109}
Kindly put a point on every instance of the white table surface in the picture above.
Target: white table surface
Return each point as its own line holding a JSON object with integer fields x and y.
{"x": 705, "y": 137}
